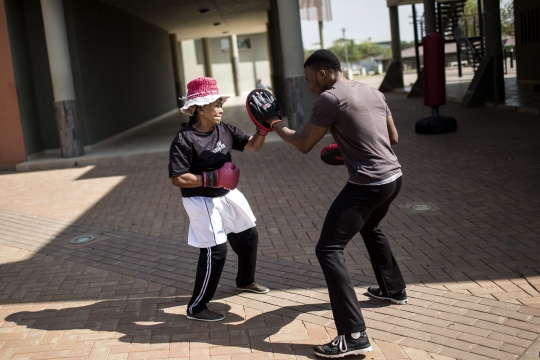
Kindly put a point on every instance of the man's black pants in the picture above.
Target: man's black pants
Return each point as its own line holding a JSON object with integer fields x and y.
{"x": 358, "y": 208}
{"x": 212, "y": 261}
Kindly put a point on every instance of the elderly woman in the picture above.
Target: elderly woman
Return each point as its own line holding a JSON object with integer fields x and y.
{"x": 200, "y": 165}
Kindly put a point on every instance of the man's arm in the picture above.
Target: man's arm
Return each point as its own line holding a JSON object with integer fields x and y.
{"x": 392, "y": 131}
{"x": 303, "y": 141}
{"x": 187, "y": 180}
{"x": 255, "y": 142}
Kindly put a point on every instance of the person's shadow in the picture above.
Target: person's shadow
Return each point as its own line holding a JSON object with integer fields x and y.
{"x": 163, "y": 320}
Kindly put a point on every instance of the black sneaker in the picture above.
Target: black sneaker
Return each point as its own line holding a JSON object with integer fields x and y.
{"x": 206, "y": 315}
{"x": 256, "y": 288}
{"x": 399, "y": 298}
{"x": 344, "y": 345}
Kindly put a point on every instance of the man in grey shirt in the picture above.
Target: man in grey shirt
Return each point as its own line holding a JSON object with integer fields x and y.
{"x": 362, "y": 126}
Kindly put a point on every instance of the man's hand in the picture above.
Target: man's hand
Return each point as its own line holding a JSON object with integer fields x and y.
{"x": 261, "y": 105}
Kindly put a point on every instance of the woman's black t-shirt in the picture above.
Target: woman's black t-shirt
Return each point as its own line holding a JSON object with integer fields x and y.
{"x": 196, "y": 152}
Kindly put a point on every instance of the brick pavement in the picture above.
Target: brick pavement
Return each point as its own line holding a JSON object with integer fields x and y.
{"x": 472, "y": 263}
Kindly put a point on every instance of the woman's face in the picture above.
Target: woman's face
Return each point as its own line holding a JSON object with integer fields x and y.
{"x": 211, "y": 113}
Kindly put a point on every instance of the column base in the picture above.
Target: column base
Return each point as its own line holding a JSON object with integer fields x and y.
{"x": 69, "y": 131}
{"x": 393, "y": 78}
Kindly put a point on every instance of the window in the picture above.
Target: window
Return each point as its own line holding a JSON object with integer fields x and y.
{"x": 530, "y": 26}
{"x": 244, "y": 43}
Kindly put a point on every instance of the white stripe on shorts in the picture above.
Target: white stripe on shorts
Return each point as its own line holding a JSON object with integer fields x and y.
{"x": 206, "y": 279}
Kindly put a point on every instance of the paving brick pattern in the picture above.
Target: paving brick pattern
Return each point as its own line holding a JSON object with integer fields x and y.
{"x": 471, "y": 263}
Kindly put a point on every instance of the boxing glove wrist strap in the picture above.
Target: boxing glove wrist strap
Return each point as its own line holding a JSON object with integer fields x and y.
{"x": 274, "y": 122}
{"x": 210, "y": 179}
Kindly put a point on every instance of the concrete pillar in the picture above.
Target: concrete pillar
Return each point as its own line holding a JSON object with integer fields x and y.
{"x": 321, "y": 33}
{"x": 394, "y": 75}
{"x": 176, "y": 68}
{"x": 235, "y": 63}
{"x": 492, "y": 26}
{"x": 276, "y": 56}
{"x": 207, "y": 57}
{"x": 65, "y": 106}
{"x": 293, "y": 60}
{"x": 394, "y": 31}
{"x": 430, "y": 20}
{"x": 12, "y": 149}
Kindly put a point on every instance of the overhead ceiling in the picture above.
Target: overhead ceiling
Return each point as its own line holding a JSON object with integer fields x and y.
{"x": 183, "y": 17}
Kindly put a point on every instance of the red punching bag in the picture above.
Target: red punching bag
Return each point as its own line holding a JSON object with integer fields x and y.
{"x": 434, "y": 88}
{"x": 434, "y": 77}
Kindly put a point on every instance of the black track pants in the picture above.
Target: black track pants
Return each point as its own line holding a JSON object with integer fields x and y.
{"x": 209, "y": 269}
{"x": 245, "y": 245}
{"x": 358, "y": 208}
{"x": 212, "y": 261}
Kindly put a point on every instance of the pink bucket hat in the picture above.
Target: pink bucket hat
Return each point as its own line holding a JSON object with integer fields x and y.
{"x": 201, "y": 91}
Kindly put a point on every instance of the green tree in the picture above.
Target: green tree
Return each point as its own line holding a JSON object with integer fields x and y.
{"x": 507, "y": 19}
{"x": 370, "y": 49}
{"x": 471, "y": 7}
{"x": 406, "y": 44}
{"x": 507, "y": 14}
{"x": 338, "y": 48}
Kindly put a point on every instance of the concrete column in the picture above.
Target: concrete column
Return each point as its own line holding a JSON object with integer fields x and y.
{"x": 293, "y": 60}
{"x": 492, "y": 26}
{"x": 207, "y": 57}
{"x": 176, "y": 68}
{"x": 12, "y": 149}
{"x": 62, "y": 78}
{"x": 394, "y": 75}
{"x": 430, "y": 20}
{"x": 321, "y": 33}
{"x": 235, "y": 63}
{"x": 276, "y": 56}
{"x": 394, "y": 31}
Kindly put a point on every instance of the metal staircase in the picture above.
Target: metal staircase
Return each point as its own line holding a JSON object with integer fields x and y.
{"x": 467, "y": 31}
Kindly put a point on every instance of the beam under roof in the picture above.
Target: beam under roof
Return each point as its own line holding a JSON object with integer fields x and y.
{"x": 184, "y": 18}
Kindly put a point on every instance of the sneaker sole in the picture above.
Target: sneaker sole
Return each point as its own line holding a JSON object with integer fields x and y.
{"x": 253, "y": 291}
{"x": 395, "y": 301}
{"x": 207, "y": 320}
{"x": 337, "y": 356}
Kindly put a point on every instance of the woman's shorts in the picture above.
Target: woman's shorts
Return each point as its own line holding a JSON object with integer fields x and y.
{"x": 211, "y": 219}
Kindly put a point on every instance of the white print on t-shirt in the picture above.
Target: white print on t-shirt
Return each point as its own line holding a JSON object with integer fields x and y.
{"x": 219, "y": 146}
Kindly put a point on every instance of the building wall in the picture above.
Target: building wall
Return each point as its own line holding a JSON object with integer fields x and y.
{"x": 11, "y": 137}
{"x": 32, "y": 75}
{"x": 122, "y": 68}
{"x": 254, "y": 62}
{"x": 192, "y": 59}
{"x": 527, "y": 27}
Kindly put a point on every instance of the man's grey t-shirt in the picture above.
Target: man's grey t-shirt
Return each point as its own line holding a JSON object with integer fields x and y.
{"x": 356, "y": 115}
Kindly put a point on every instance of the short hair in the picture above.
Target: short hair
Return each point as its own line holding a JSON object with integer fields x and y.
{"x": 323, "y": 59}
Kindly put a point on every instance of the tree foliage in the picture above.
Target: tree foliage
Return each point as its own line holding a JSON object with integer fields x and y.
{"x": 507, "y": 15}
{"x": 357, "y": 52}
{"x": 507, "y": 19}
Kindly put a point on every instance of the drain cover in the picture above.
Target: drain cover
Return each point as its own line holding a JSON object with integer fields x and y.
{"x": 421, "y": 207}
{"x": 83, "y": 239}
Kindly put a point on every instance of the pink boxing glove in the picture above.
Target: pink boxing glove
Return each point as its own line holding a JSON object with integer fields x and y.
{"x": 227, "y": 177}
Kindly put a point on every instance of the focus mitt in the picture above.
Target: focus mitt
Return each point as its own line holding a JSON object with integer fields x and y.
{"x": 331, "y": 155}
{"x": 261, "y": 105}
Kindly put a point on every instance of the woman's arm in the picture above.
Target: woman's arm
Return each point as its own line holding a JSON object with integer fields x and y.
{"x": 187, "y": 180}
{"x": 255, "y": 142}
